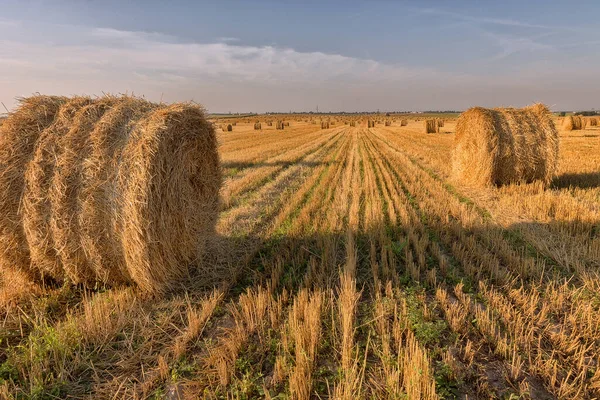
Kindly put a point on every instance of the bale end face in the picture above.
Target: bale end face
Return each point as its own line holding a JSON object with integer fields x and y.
{"x": 170, "y": 195}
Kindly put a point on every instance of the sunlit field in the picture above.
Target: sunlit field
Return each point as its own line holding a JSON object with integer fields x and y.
{"x": 346, "y": 264}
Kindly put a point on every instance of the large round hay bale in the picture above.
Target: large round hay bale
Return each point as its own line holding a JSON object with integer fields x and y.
{"x": 403, "y": 122}
{"x": 505, "y": 145}
{"x": 18, "y": 135}
{"x": 38, "y": 179}
{"x": 119, "y": 190}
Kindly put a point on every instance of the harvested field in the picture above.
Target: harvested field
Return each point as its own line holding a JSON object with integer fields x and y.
{"x": 345, "y": 264}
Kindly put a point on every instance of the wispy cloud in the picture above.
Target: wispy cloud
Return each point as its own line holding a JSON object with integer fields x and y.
{"x": 512, "y": 45}
{"x": 483, "y": 20}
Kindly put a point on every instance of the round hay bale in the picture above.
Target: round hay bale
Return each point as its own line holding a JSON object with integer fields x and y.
{"x": 388, "y": 123}
{"x": 99, "y": 210}
{"x": 18, "y": 135}
{"x": 403, "y": 122}
{"x": 257, "y": 126}
{"x": 279, "y": 125}
{"x": 229, "y": 128}
{"x": 572, "y": 123}
{"x": 169, "y": 181}
{"x": 505, "y": 145}
{"x": 36, "y": 201}
{"x": 431, "y": 126}
{"x": 117, "y": 190}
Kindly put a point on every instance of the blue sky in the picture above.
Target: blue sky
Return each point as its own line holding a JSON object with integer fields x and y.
{"x": 284, "y": 55}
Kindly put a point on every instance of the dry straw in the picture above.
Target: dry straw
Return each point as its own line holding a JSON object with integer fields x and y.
{"x": 36, "y": 194}
{"x": 325, "y": 125}
{"x": 63, "y": 194}
{"x": 388, "y": 123}
{"x": 505, "y": 145}
{"x": 280, "y": 125}
{"x": 18, "y": 135}
{"x": 115, "y": 190}
{"x": 257, "y": 126}
{"x": 403, "y": 122}
{"x": 98, "y": 195}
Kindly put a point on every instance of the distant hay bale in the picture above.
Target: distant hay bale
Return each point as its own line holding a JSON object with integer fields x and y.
{"x": 505, "y": 145}
{"x": 269, "y": 123}
{"x": 257, "y": 126}
{"x": 593, "y": 121}
{"x": 229, "y": 128}
{"x": 325, "y": 125}
{"x": 370, "y": 124}
{"x": 115, "y": 190}
{"x": 280, "y": 125}
{"x": 353, "y": 123}
{"x": 18, "y": 136}
{"x": 572, "y": 123}
{"x": 388, "y": 123}
{"x": 440, "y": 123}
{"x": 286, "y": 124}
{"x": 431, "y": 126}
{"x": 403, "y": 122}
